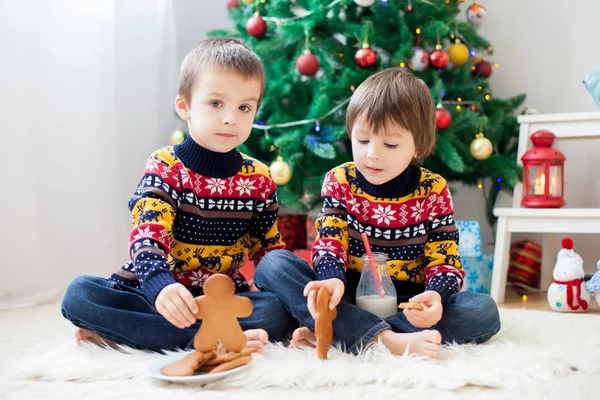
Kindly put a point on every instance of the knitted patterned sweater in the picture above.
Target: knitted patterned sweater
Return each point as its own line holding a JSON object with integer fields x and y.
{"x": 196, "y": 212}
{"x": 410, "y": 218}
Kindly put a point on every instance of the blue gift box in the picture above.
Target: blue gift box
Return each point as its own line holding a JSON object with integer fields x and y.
{"x": 477, "y": 265}
{"x": 478, "y": 273}
{"x": 469, "y": 235}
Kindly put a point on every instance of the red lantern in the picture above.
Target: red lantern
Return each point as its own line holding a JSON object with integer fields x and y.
{"x": 543, "y": 173}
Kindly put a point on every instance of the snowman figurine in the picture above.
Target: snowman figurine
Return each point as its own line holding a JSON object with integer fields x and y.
{"x": 593, "y": 285}
{"x": 567, "y": 293}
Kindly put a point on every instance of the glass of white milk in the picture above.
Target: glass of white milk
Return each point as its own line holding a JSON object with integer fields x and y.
{"x": 367, "y": 295}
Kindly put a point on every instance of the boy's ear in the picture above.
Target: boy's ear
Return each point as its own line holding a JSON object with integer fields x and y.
{"x": 182, "y": 108}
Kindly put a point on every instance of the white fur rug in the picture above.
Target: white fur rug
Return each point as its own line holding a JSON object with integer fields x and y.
{"x": 535, "y": 352}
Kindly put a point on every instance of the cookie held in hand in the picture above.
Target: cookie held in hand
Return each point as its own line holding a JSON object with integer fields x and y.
{"x": 411, "y": 306}
{"x": 324, "y": 323}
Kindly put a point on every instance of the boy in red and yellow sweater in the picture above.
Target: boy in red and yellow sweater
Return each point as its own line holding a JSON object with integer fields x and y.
{"x": 407, "y": 213}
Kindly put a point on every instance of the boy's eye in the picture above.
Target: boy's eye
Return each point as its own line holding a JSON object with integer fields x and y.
{"x": 391, "y": 146}
{"x": 245, "y": 108}
{"x": 216, "y": 104}
{"x": 362, "y": 141}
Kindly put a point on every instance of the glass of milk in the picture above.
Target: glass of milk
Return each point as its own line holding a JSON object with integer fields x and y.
{"x": 367, "y": 295}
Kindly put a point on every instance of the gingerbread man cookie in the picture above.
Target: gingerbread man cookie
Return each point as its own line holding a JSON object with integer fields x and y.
{"x": 323, "y": 323}
{"x": 224, "y": 357}
{"x": 189, "y": 364}
{"x": 219, "y": 309}
{"x": 210, "y": 362}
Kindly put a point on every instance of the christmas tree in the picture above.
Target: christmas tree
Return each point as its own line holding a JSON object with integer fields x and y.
{"x": 316, "y": 52}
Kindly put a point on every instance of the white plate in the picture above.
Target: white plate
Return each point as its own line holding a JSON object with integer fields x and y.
{"x": 200, "y": 377}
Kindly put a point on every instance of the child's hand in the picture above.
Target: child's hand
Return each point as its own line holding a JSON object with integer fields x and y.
{"x": 336, "y": 289}
{"x": 431, "y": 315}
{"x": 177, "y": 305}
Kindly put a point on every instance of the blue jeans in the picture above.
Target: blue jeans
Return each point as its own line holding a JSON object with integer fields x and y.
{"x": 123, "y": 314}
{"x": 467, "y": 317}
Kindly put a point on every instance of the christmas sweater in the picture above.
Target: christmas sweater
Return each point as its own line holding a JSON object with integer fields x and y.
{"x": 410, "y": 218}
{"x": 195, "y": 213}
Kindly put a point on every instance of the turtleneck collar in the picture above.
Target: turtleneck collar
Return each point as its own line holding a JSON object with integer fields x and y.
{"x": 400, "y": 186}
{"x": 208, "y": 162}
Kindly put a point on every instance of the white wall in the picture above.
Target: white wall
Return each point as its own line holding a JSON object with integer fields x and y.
{"x": 193, "y": 20}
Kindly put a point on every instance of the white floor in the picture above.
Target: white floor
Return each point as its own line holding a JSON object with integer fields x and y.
{"x": 548, "y": 355}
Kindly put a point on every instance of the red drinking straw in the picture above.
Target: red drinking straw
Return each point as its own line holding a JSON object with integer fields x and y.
{"x": 372, "y": 263}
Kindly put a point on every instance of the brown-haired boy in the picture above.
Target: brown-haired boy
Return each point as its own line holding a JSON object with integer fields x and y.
{"x": 200, "y": 208}
{"x": 407, "y": 214}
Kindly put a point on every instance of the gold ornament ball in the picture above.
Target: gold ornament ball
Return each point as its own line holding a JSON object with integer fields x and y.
{"x": 178, "y": 136}
{"x": 481, "y": 148}
{"x": 458, "y": 53}
{"x": 246, "y": 2}
{"x": 280, "y": 171}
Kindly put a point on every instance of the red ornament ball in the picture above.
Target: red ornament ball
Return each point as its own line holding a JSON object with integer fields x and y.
{"x": 443, "y": 118}
{"x": 256, "y": 26}
{"x": 439, "y": 59}
{"x": 307, "y": 64}
{"x": 482, "y": 69}
{"x": 233, "y": 4}
{"x": 365, "y": 58}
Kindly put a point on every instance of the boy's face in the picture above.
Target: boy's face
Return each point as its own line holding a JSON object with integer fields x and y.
{"x": 221, "y": 109}
{"x": 382, "y": 157}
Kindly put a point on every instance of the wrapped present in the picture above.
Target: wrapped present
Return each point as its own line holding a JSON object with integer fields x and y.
{"x": 293, "y": 230}
{"x": 311, "y": 231}
{"x": 248, "y": 268}
{"x": 478, "y": 273}
{"x": 469, "y": 234}
{"x": 477, "y": 265}
{"x": 525, "y": 263}
{"x": 304, "y": 254}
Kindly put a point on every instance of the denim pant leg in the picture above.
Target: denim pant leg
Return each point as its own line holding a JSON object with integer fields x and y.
{"x": 124, "y": 315}
{"x": 467, "y": 318}
{"x": 285, "y": 274}
{"x": 268, "y": 313}
{"x": 120, "y": 313}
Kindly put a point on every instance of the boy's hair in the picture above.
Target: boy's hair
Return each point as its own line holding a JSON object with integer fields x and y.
{"x": 220, "y": 54}
{"x": 395, "y": 95}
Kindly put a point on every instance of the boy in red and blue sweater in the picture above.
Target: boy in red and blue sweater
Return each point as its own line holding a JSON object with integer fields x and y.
{"x": 407, "y": 213}
{"x": 200, "y": 208}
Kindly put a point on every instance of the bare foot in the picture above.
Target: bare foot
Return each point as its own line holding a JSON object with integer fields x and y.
{"x": 84, "y": 335}
{"x": 256, "y": 338}
{"x": 303, "y": 336}
{"x": 426, "y": 343}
